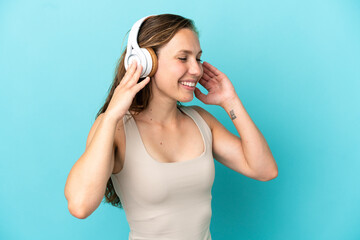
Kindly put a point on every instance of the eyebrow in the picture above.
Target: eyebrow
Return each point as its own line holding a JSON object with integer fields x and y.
{"x": 187, "y": 51}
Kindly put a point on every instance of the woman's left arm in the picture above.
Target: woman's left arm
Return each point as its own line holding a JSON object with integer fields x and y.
{"x": 250, "y": 153}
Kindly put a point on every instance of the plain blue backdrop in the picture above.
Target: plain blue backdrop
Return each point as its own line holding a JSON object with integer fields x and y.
{"x": 294, "y": 64}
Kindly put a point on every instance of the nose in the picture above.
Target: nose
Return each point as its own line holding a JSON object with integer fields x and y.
{"x": 196, "y": 68}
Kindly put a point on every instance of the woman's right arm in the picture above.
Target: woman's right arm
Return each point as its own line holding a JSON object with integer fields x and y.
{"x": 86, "y": 184}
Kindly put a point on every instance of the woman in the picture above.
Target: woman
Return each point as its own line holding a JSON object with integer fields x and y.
{"x": 156, "y": 155}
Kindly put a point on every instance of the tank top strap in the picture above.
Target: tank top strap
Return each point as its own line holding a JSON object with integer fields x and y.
{"x": 203, "y": 126}
{"x": 133, "y": 138}
{"x": 131, "y": 133}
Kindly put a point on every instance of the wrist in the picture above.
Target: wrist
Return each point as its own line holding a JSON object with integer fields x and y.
{"x": 111, "y": 118}
{"x": 231, "y": 103}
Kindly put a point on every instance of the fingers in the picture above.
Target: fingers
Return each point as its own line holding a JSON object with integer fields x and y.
{"x": 135, "y": 78}
{"x": 132, "y": 73}
{"x": 131, "y": 77}
{"x": 141, "y": 84}
{"x": 209, "y": 73}
{"x": 204, "y": 83}
{"x": 206, "y": 77}
{"x": 211, "y": 68}
{"x": 200, "y": 95}
{"x": 209, "y": 79}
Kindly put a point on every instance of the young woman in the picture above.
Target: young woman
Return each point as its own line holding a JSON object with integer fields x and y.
{"x": 154, "y": 157}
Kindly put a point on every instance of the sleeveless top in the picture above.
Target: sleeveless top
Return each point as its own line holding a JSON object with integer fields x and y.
{"x": 166, "y": 200}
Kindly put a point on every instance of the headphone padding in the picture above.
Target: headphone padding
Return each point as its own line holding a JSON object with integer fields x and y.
{"x": 154, "y": 62}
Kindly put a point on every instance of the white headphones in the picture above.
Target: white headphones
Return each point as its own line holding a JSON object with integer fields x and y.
{"x": 143, "y": 56}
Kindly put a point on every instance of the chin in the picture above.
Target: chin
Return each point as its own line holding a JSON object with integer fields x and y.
{"x": 188, "y": 99}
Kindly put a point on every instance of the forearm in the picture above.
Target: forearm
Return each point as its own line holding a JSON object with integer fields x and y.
{"x": 88, "y": 177}
{"x": 256, "y": 150}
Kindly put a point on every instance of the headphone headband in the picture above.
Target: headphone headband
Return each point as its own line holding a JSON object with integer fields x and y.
{"x": 134, "y": 33}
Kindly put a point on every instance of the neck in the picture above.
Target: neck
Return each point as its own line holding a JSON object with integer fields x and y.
{"x": 162, "y": 111}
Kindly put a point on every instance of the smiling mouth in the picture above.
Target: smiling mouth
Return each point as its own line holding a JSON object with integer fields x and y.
{"x": 188, "y": 84}
{"x": 190, "y": 87}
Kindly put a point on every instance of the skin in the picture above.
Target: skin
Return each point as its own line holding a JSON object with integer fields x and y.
{"x": 164, "y": 128}
{"x": 166, "y": 89}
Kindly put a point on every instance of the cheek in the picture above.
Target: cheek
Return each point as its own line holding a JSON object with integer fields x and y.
{"x": 177, "y": 70}
{"x": 170, "y": 69}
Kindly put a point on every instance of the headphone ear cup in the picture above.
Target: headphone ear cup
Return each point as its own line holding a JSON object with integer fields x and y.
{"x": 129, "y": 58}
{"x": 146, "y": 62}
{"x": 154, "y": 62}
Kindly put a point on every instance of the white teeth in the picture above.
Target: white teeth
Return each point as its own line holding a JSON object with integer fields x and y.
{"x": 191, "y": 84}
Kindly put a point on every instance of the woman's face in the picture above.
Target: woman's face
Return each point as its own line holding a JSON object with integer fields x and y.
{"x": 176, "y": 67}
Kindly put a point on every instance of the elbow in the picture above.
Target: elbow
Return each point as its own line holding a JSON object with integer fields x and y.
{"x": 272, "y": 173}
{"x": 270, "y": 176}
{"x": 76, "y": 207}
{"x": 77, "y": 211}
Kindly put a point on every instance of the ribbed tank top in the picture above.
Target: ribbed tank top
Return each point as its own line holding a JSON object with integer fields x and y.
{"x": 166, "y": 200}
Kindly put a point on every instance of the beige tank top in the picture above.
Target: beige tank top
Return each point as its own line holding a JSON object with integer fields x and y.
{"x": 166, "y": 200}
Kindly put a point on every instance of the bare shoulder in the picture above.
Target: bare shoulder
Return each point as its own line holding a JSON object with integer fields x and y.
{"x": 208, "y": 117}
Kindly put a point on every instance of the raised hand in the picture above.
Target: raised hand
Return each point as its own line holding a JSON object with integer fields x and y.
{"x": 220, "y": 89}
{"x": 125, "y": 92}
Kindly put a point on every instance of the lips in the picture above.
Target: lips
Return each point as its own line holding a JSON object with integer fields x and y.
{"x": 189, "y": 80}
{"x": 190, "y": 88}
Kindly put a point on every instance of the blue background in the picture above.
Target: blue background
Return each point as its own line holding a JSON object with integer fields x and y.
{"x": 294, "y": 64}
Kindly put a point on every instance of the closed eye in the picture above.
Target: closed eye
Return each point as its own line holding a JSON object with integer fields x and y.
{"x": 184, "y": 59}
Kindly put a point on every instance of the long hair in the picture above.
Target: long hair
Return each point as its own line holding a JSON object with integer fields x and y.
{"x": 154, "y": 32}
